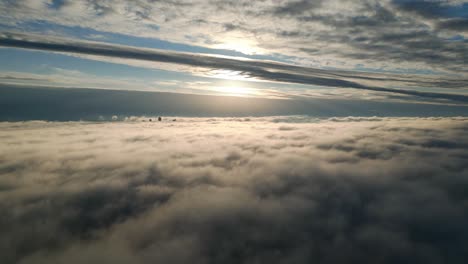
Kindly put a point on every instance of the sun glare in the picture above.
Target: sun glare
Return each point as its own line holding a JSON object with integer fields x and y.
{"x": 241, "y": 45}
{"x": 229, "y": 75}
{"x": 236, "y": 89}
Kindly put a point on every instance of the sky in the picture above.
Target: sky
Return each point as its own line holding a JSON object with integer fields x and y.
{"x": 398, "y": 51}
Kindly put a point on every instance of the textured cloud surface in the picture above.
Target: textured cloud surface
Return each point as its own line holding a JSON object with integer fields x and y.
{"x": 259, "y": 190}
{"x": 385, "y": 34}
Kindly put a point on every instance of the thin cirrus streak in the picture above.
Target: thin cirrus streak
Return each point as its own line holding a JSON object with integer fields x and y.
{"x": 249, "y": 69}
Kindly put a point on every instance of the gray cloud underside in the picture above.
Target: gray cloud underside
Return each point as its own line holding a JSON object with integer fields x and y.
{"x": 388, "y": 34}
{"x": 264, "y": 70}
{"x": 400, "y": 31}
{"x": 267, "y": 190}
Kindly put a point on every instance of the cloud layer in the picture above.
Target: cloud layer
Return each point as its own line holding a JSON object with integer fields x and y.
{"x": 278, "y": 190}
{"x": 389, "y": 34}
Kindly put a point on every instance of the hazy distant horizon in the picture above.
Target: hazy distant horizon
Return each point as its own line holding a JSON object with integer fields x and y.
{"x": 72, "y": 104}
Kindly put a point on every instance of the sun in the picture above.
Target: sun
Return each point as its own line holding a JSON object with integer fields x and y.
{"x": 240, "y": 44}
{"x": 229, "y": 75}
{"x": 233, "y": 88}
{"x": 239, "y": 91}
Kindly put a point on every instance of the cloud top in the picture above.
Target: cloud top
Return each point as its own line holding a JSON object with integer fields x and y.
{"x": 278, "y": 190}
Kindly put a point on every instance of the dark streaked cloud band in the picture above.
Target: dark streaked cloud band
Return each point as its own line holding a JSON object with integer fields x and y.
{"x": 264, "y": 70}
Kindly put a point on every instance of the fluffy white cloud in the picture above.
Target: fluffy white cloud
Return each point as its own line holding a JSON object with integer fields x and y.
{"x": 278, "y": 190}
